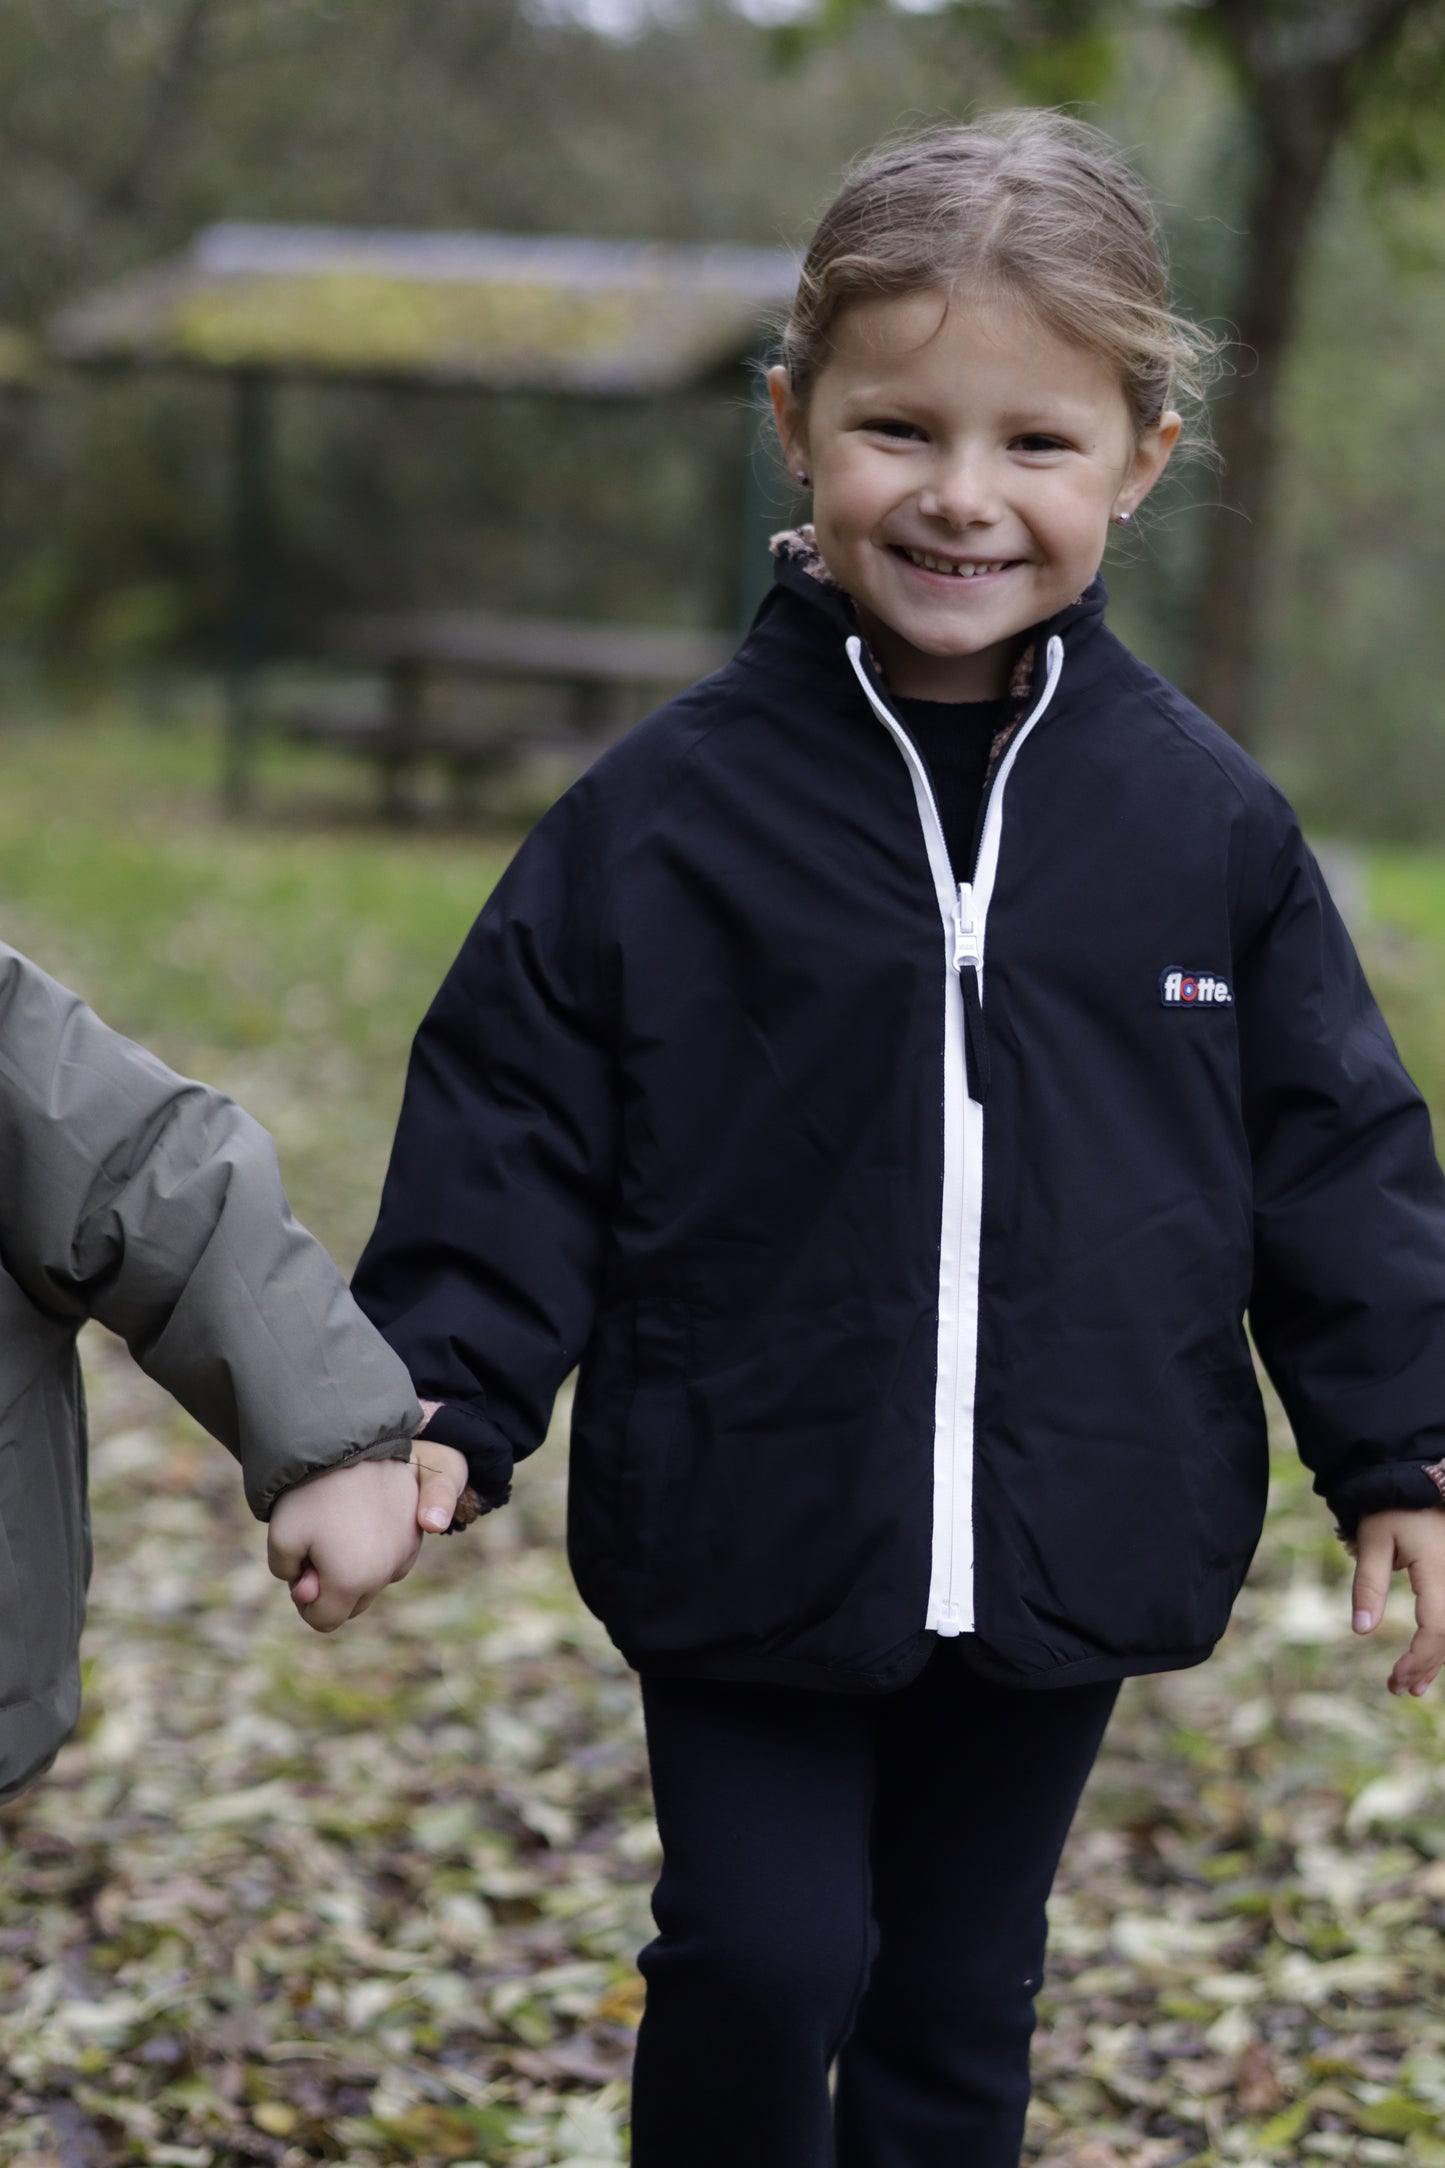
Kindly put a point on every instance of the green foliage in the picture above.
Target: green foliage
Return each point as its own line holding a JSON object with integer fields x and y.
{"x": 1039, "y": 52}
{"x": 1400, "y": 138}
{"x": 1073, "y": 70}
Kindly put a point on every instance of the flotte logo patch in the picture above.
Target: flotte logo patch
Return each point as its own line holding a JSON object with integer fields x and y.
{"x": 1194, "y": 989}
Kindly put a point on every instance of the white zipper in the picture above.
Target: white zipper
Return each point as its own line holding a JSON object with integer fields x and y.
{"x": 963, "y": 908}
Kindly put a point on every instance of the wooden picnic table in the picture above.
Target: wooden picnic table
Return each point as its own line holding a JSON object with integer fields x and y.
{"x": 414, "y": 653}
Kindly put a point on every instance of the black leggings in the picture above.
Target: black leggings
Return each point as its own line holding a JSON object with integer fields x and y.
{"x": 860, "y": 1878}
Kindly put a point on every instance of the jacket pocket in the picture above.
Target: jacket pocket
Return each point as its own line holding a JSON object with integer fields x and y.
{"x": 1227, "y": 1470}
{"x": 634, "y": 1367}
{"x": 655, "y": 1445}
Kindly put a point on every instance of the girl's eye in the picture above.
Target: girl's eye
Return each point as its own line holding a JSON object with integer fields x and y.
{"x": 881, "y": 425}
{"x": 1037, "y": 441}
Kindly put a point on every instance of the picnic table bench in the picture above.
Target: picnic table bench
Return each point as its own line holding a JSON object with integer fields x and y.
{"x": 602, "y": 671}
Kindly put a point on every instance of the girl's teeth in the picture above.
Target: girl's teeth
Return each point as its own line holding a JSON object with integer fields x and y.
{"x": 947, "y": 564}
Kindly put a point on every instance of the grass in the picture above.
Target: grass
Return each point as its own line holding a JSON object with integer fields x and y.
{"x": 286, "y": 956}
{"x": 1405, "y": 954}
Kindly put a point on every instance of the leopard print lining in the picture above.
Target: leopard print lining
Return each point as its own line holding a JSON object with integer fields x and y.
{"x": 799, "y": 546}
{"x": 1019, "y": 686}
{"x": 1435, "y": 1469}
{"x": 468, "y": 1508}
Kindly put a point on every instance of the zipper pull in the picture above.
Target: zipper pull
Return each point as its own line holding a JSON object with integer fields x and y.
{"x": 966, "y": 949}
{"x": 975, "y": 1038}
{"x": 950, "y": 1620}
{"x": 968, "y": 963}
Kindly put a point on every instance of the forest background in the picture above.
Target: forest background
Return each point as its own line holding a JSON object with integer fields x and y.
{"x": 126, "y": 125}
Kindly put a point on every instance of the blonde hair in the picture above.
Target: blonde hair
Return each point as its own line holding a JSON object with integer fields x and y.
{"x": 1032, "y": 204}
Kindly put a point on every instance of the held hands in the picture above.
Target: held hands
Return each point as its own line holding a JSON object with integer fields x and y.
{"x": 344, "y": 1536}
{"x": 1416, "y": 1541}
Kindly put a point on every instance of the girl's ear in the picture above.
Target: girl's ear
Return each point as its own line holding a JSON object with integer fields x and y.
{"x": 789, "y": 416}
{"x": 1151, "y": 457}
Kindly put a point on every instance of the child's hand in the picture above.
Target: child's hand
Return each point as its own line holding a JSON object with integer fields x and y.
{"x": 341, "y": 1538}
{"x": 1416, "y": 1541}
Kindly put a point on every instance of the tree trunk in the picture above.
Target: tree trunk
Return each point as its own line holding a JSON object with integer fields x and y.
{"x": 1302, "y": 66}
{"x": 176, "y": 80}
{"x": 1296, "y": 127}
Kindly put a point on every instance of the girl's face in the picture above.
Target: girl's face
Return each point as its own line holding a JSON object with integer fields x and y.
{"x": 965, "y": 465}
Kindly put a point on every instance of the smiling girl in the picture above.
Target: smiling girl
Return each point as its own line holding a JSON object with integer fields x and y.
{"x": 891, "y": 1075}
{"x": 966, "y": 461}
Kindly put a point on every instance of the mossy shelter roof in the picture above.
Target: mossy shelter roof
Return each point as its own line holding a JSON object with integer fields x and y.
{"x": 21, "y": 360}
{"x": 503, "y": 312}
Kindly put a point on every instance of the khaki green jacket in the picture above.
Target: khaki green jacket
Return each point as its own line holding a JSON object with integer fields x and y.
{"x": 131, "y": 1195}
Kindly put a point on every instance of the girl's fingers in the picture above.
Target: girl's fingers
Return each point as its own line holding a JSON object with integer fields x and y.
{"x": 1374, "y": 1563}
{"x": 1419, "y": 1665}
{"x": 441, "y": 1477}
{"x": 1425, "y": 1655}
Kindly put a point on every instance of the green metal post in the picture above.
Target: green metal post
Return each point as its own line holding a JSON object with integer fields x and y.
{"x": 246, "y": 633}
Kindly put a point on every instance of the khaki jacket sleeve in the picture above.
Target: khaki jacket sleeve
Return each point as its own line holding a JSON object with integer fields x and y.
{"x": 132, "y": 1195}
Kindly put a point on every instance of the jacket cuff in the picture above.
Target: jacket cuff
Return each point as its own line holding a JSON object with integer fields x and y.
{"x": 1412, "y": 1484}
{"x": 262, "y": 1498}
{"x": 488, "y": 1455}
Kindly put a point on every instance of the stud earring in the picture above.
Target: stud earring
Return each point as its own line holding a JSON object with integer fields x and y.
{"x": 802, "y": 477}
{"x": 1121, "y": 519}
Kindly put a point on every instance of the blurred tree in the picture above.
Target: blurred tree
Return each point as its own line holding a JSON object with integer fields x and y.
{"x": 1310, "y": 75}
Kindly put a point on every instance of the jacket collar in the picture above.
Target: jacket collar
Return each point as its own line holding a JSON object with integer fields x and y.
{"x": 800, "y": 575}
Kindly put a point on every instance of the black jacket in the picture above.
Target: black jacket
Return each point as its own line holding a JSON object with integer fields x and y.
{"x": 904, "y": 1235}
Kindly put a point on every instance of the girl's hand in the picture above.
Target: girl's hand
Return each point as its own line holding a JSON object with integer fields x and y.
{"x": 1416, "y": 1541}
{"x": 341, "y": 1538}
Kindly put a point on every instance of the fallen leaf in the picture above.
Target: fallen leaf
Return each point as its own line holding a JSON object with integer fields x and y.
{"x": 1256, "y": 2082}
{"x": 275, "y": 2118}
{"x": 623, "y": 2003}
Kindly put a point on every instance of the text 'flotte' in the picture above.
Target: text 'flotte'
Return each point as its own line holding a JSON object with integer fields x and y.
{"x": 1194, "y": 989}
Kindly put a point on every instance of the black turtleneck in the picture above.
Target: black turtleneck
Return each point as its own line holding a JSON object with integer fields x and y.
{"x": 954, "y": 737}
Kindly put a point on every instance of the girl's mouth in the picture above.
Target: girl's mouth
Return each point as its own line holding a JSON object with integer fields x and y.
{"x": 954, "y": 568}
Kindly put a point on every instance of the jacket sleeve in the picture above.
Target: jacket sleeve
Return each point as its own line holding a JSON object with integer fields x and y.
{"x": 154, "y": 1204}
{"x": 1348, "y": 1304}
{"x": 483, "y": 1268}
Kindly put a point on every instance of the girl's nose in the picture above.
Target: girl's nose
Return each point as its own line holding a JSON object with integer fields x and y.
{"x": 961, "y": 491}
